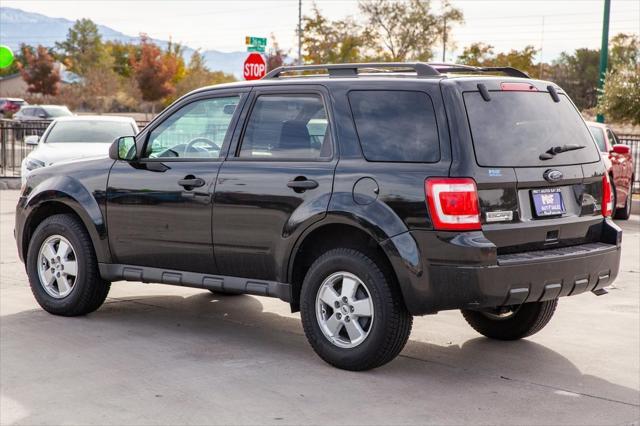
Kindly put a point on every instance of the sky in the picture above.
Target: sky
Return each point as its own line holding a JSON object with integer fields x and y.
{"x": 552, "y": 26}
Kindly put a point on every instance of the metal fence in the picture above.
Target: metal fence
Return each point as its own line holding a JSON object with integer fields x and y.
{"x": 13, "y": 149}
{"x": 634, "y": 142}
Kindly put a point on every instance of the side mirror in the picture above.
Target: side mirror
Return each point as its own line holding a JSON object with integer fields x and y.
{"x": 123, "y": 148}
{"x": 32, "y": 140}
{"x": 621, "y": 149}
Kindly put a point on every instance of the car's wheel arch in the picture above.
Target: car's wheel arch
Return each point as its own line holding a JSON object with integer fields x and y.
{"x": 48, "y": 199}
{"x": 335, "y": 231}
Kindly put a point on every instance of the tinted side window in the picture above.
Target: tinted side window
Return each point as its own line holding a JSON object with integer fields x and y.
{"x": 396, "y": 125}
{"x": 287, "y": 127}
{"x": 613, "y": 140}
{"x": 197, "y": 130}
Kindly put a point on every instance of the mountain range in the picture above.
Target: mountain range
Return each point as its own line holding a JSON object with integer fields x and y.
{"x": 18, "y": 26}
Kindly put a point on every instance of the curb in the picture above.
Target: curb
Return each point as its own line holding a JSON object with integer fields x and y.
{"x": 635, "y": 206}
{"x": 10, "y": 183}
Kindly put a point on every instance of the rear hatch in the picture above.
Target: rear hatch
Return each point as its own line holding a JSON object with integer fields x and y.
{"x": 538, "y": 173}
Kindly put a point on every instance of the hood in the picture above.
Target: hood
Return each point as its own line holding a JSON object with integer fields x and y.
{"x": 52, "y": 153}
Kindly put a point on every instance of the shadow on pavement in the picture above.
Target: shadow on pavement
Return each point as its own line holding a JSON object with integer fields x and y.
{"x": 197, "y": 344}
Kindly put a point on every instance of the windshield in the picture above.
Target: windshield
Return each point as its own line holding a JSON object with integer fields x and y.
{"x": 598, "y": 135}
{"x": 514, "y": 128}
{"x": 57, "y": 111}
{"x": 88, "y": 131}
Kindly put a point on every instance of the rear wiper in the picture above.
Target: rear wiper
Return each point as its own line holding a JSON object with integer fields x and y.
{"x": 551, "y": 152}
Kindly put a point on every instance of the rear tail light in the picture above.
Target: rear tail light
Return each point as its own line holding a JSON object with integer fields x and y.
{"x": 607, "y": 197}
{"x": 518, "y": 87}
{"x": 453, "y": 203}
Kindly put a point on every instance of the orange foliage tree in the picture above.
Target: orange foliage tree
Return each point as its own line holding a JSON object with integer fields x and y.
{"x": 39, "y": 71}
{"x": 154, "y": 72}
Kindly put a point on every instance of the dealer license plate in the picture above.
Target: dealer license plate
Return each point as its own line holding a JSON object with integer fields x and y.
{"x": 547, "y": 202}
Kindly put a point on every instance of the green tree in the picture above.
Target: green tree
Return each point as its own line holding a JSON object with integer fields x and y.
{"x": 83, "y": 48}
{"x": 122, "y": 54}
{"x": 39, "y": 71}
{"x": 405, "y": 30}
{"x": 477, "y": 54}
{"x": 276, "y": 55}
{"x": 326, "y": 42}
{"x": 620, "y": 98}
{"x": 577, "y": 74}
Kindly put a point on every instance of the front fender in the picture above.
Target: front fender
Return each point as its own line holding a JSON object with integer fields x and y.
{"x": 66, "y": 190}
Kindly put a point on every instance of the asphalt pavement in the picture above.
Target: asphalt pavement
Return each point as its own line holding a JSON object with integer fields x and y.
{"x": 156, "y": 354}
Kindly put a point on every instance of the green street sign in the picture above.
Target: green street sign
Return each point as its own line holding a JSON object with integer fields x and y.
{"x": 256, "y": 49}
{"x": 255, "y": 41}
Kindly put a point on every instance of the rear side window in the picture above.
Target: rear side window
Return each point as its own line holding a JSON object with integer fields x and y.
{"x": 598, "y": 135}
{"x": 393, "y": 125}
{"x": 514, "y": 128}
{"x": 287, "y": 127}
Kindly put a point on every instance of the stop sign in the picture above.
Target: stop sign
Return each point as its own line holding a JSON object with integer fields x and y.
{"x": 255, "y": 67}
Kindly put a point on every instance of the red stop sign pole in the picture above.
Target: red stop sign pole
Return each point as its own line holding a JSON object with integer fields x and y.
{"x": 255, "y": 67}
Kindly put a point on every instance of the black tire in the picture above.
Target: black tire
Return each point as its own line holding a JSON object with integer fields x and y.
{"x": 526, "y": 319}
{"x": 89, "y": 290}
{"x": 389, "y": 330}
{"x": 226, "y": 292}
{"x": 625, "y": 212}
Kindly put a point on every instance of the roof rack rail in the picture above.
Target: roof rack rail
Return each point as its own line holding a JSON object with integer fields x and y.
{"x": 457, "y": 68}
{"x": 346, "y": 70}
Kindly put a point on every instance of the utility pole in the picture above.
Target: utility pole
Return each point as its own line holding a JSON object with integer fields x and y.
{"x": 604, "y": 52}
{"x": 300, "y": 32}
{"x": 541, "y": 48}
{"x": 444, "y": 37}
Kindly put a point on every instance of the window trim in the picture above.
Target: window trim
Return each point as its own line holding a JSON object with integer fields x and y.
{"x": 435, "y": 117}
{"x": 291, "y": 91}
{"x": 169, "y": 112}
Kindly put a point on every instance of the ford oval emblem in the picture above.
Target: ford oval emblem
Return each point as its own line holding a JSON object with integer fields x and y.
{"x": 552, "y": 175}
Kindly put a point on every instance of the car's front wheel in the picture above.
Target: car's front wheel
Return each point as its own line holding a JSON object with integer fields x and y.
{"x": 352, "y": 313}
{"x": 62, "y": 268}
{"x": 511, "y": 322}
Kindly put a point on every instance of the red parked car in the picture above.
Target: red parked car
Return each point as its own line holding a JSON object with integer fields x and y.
{"x": 619, "y": 161}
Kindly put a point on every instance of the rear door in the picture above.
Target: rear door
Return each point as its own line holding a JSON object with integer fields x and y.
{"x": 276, "y": 181}
{"x": 532, "y": 195}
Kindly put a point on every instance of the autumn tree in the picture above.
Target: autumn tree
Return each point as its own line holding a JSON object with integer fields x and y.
{"x": 153, "y": 72}
{"x": 121, "y": 53}
{"x": 405, "y": 30}
{"x": 481, "y": 54}
{"x": 83, "y": 48}
{"x": 198, "y": 75}
{"x": 276, "y": 56}
{"x": 39, "y": 71}
{"x": 17, "y": 59}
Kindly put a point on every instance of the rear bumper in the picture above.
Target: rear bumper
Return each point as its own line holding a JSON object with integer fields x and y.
{"x": 479, "y": 278}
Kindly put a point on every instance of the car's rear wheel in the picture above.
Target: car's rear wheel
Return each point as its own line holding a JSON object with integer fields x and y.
{"x": 625, "y": 212}
{"x": 352, "y": 313}
{"x": 511, "y": 322}
{"x": 62, "y": 268}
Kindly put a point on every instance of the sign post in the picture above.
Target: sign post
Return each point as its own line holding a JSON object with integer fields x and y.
{"x": 255, "y": 67}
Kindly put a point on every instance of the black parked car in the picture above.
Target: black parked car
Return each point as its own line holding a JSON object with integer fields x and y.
{"x": 362, "y": 197}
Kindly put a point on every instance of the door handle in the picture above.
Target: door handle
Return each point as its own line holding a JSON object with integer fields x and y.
{"x": 191, "y": 182}
{"x": 302, "y": 184}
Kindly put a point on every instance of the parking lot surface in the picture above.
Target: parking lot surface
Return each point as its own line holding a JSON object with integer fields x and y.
{"x": 156, "y": 354}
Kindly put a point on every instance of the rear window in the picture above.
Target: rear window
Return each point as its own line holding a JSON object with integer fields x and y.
{"x": 395, "y": 125}
{"x": 514, "y": 128}
{"x": 88, "y": 131}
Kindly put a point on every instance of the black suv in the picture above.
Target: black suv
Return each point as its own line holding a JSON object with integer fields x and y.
{"x": 362, "y": 196}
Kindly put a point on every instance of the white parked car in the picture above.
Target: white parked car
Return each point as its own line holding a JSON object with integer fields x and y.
{"x": 75, "y": 137}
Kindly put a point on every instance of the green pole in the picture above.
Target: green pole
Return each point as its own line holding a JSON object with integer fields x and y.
{"x": 604, "y": 52}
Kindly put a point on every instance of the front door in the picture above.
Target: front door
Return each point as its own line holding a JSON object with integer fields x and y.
{"x": 277, "y": 180}
{"x": 159, "y": 207}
